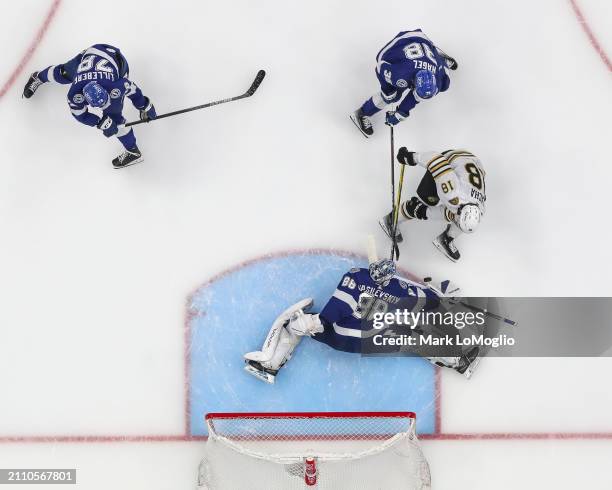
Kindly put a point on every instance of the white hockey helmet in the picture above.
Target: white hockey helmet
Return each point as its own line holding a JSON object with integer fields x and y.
{"x": 468, "y": 218}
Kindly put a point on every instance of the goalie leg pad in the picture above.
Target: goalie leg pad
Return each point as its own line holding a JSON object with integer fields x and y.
{"x": 272, "y": 340}
{"x": 267, "y": 370}
{"x": 282, "y": 339}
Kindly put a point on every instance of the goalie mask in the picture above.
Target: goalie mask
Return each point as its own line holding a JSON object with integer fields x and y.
{"x": 382, "y": 270}
{"x": 468, "y": 218}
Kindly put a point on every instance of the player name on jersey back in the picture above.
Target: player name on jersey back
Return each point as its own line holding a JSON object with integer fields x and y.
{"x": 379, "y": 293}
{"x": 94, "y": 75}
{"x": 479, "y": 196}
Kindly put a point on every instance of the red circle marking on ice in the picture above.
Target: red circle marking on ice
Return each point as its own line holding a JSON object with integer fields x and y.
{"x": 31, "y": 49}
{"x": 589, "y": 32}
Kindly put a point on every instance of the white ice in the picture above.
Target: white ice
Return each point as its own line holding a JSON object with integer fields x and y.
{"x": 96, "y": 264}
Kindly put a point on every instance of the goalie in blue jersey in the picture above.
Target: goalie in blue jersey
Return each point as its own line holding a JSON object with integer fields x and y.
{"x": 345, "y": 321}
{"x": 99, "y": 83}
{"x": 410, "y": 69}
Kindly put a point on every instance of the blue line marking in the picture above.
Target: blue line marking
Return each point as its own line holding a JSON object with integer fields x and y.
{"x": 233, "y": 314}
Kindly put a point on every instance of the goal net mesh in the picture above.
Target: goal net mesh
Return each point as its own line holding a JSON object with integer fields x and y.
{"x": 350, "y": 451}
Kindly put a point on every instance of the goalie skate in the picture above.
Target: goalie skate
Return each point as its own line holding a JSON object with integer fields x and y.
{"x": 255, "y": 368}
{"x": 469, "y": 362}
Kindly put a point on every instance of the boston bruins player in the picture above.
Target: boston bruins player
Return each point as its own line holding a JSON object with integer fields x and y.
{"x": 454, "y": 183}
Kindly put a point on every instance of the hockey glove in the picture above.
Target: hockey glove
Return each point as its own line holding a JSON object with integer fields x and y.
{"x": 148, "y": 113}
{"x": 394, "y": 118}
{"x": 415, "y": 208}
{"x": 406, "y": 157}
{"x": 108, "y": 126}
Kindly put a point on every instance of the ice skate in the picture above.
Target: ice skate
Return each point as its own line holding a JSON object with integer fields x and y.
{"x": 445, "y": 244}
{"x": 32, "y": 85}
{"x": 469, "y": 362}
{"x": 363, "y": 123}
{"x": 127, "y": 158}
{"x": 255, "y": 368}
{"x": 387, "y": 225}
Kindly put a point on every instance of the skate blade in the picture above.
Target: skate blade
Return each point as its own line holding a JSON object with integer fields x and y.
{"x": 352, "y": 118}
{"x": 140, "y": 160}
{"x": 439, "y": 246}
{"x": 261, "y": 375}
{"x": 471, "y": 368}
{"x": 398, "y": 239}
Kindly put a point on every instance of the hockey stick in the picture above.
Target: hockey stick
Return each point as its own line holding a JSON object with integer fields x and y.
{"x": 399, "y": 202}
{"x": 254, "y": 86}
{"x": 395, "y": 254}
{"x": 495, "y": 316}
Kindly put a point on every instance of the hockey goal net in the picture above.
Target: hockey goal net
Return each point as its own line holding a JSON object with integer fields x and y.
{"x": 324, "y": 451}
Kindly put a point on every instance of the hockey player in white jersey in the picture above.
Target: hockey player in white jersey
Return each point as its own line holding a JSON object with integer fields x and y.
{"x": 452, "y": 190}
{"x": 346, "y": 320}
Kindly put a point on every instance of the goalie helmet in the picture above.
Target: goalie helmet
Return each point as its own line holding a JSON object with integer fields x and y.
{"x": 382, "y": 270}
{"x": 425, "y": 85}
{"x": 468, "y": 218}
{"x": 95, "y": 95}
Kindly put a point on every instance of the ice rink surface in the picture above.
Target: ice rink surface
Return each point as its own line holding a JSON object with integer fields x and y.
{"x": 96, "y": 265}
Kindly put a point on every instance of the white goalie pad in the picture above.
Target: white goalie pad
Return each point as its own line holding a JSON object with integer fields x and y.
{"x": 282, "y": 339}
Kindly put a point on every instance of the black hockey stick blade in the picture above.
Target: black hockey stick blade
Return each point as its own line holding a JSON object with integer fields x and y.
{"x": 254, "y": 86}
{"x": 256, "y": 83}
{"x": 395, "y": 251}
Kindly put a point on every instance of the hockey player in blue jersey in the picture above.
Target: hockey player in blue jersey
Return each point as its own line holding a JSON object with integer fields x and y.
{"x": 410, "y": 69}
{"x": 99, "y": 80}
{"x": 345, "y": 320}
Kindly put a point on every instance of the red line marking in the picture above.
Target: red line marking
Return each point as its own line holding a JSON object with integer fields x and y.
{"x": 31, "y": 49}
{"x": 503, "y": 436}
{"x": 187, "y": 365}
{"x": 492, "y": 436}
{"x": 94, "y": 439}
{"x": 438, "y": 401}
{"x": 589, "y": 32}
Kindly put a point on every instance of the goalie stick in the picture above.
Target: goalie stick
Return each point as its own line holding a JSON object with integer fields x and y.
{"x": 495, "y": 316}
{"x": 254, "y": 86}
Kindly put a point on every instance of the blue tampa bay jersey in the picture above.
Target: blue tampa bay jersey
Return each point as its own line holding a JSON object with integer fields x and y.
{"x": 357, "y": 298}
{"x": 401, "y": 58}
{"x": 106, "y": 66}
